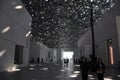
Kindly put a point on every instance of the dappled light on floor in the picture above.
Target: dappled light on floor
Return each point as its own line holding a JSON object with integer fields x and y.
{"x": 76, "y": 72}
{"x": 44, "y": 69}
{"x": 108, "y": 79}
{"x": 74, "y": 75}
{"x": 58, "y": 77}
{"x": 77, "y": 65}
{"x": 118, "y": 75}
{"x": 62, "y": 70}
{"x": 13, "y": 69}
{"x": 32, "y": 65}
{"x": 31, "y": 68}
{"x": 34, "y": 79}
{"x": 91, "y": 77}
{"x": 39, "y": 64}
{"x": 50, "y": 71}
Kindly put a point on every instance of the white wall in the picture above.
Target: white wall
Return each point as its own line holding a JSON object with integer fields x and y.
{"x": 14, "y": 25}
{"x": 104, "y": 29}
{"x": 44, "y": 52}
{"x": 34, "y": 51}
{"x": 39, "y": 50}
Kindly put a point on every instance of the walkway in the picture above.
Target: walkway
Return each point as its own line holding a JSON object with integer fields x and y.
{"x": 52, "y": 71}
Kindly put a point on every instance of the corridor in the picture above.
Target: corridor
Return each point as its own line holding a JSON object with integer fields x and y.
{"x": 53, "y": 71}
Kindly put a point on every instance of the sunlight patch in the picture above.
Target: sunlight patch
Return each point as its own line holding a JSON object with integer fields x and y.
{"x": 32, "y": 65}
{"x": 13, "y": 69}
{"x": 6, "y": 29}
{"x": 76, "y": 72}
{"x": 62, "y": 70}
{"x": 18, "y": 7}
{"x": 74, "y": 75}
{"x": 118, "y": 75}
{"x": 31, "y": 68}
{"x": 2, "y": 53}
{"x": 92, "y": 78}
{"x": 34, "y": 79}
{"x": 44, "y": 69}
{"x": 108, "y": 79}
{"x": 77, "y": 65}
{"x": 89, "y": 75}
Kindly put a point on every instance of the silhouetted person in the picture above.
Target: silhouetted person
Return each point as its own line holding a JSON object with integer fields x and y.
{"x": 42, "y": 60}
{"x": 66, "y": 61}
{"x": 84, "y": 68}
{"x": 38, "y": 60}
{"x": 100, "y": 69}
{"x": 93, "y": 63}
{"x": 32, "y": 61}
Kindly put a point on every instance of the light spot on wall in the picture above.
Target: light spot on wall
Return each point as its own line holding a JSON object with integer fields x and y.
{"x": 28, "y": 34}
{"x": 6, "y": 29}
{"x": 2, "y": 52}
{"x": 18, "y": 7}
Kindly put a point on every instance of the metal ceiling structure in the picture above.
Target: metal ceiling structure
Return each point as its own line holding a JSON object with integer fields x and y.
{"x": 60, "y": 23}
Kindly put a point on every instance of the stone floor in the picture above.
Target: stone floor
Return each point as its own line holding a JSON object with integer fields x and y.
{"x": 54, "y": 71}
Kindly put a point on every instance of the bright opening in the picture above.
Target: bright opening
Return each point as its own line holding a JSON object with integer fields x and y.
{"x": 68, "y": 54}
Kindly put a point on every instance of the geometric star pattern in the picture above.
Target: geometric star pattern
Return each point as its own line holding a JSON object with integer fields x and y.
{"x": 60, "y": 23}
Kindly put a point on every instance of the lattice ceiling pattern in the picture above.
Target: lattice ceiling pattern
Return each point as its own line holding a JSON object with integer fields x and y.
{"x": 60, "y": 23}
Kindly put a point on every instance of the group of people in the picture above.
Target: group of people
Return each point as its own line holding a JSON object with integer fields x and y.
{"x": 99, "y": 67}
{"x": 66, "y": 61}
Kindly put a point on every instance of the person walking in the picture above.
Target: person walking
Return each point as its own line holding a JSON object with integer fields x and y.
{"x": 84, "y": 67}
{"x": 100, "y": 69}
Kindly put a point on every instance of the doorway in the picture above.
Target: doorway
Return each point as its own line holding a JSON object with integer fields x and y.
{"x": 68, "y": 54}
{"x": 18, "y": 54}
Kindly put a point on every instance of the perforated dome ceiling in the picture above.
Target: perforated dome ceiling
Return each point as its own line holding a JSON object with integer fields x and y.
{"x": 60, "y": 23}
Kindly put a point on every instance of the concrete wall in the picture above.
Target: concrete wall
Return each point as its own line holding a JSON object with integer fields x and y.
{"x": 104, "y": 29}
{"x": 14, "y": 25}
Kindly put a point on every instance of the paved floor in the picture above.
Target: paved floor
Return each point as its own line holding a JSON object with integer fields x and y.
{"x": 53, "y": 71}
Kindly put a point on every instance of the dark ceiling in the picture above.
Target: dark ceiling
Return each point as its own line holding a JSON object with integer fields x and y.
{"x": 60, "y": 23}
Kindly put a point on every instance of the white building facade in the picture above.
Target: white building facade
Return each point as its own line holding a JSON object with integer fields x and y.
{"x": 107, "y": 38}
{"x": 14, "y": 27}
